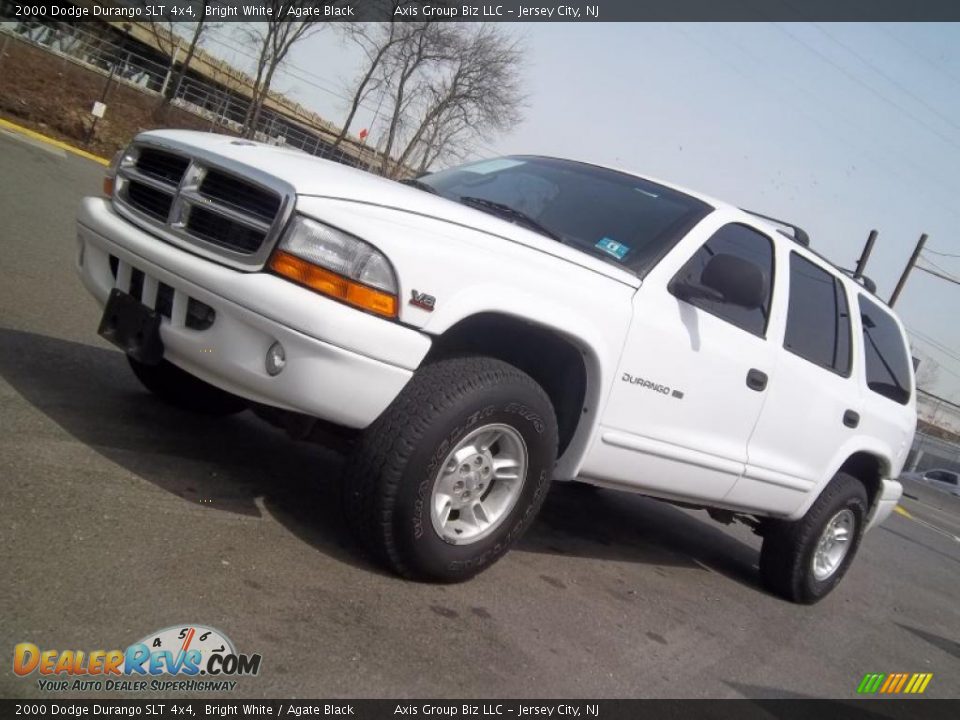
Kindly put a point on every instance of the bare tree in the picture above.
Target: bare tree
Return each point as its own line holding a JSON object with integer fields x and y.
{"x": 376, "y": 40}
{"x": 422, "y": 46}
{"x": 168, "y": 39}
{"x": 201, "y": 26}
{"x": 478, "y": 91}
{"x": 274, "y": 38}
{"x": 447, "y": 137}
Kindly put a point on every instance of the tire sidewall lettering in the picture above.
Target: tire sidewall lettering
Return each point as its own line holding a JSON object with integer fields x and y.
{"x": 530, "y": 423}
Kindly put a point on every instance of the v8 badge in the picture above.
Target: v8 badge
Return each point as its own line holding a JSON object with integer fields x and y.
{"x": 422, "y": 300}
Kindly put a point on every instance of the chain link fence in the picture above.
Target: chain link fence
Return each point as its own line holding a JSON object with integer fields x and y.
{"x": 118, "y": 56}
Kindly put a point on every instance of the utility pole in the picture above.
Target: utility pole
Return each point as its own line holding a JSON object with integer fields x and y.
{"x": 865, "y": 255}
{"x": 906, "y": 271}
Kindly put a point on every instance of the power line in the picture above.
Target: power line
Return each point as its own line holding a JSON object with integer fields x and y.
{"x": 934, "y": 344}
{"x": 940, "y": 269}
{"x": 915, "y": 51}
{"x": 934, "y": 347}
{"x": 862, "y": 84}
{"x": 936, "y": 274}
{"x": 920, "y": 173}
{"x": 892, "y": 81}
{"x": 943, "y": 254}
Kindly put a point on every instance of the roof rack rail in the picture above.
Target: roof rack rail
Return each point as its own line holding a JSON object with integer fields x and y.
{"x": 861, "y": 279}
{"x": 799, "y": 234}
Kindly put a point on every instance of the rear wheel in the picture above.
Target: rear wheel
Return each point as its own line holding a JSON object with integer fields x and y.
{"x": 803, "y": 561}
{"x": 181, "y": 389}
{"x": 454, "y": 471}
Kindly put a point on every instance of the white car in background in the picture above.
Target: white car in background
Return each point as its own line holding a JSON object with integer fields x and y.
{"x": 946, "y": 481}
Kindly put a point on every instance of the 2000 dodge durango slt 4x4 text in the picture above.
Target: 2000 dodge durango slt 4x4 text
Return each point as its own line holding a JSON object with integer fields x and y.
{"x": 486, "y": 329}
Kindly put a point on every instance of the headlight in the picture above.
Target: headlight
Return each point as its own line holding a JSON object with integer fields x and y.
{"x": 121, "y": 159}
{"x": 337, "y": 264}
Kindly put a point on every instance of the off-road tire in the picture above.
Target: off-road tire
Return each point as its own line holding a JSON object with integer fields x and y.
{"x": 182, "y": 390}
{"x": 388, "y": 479}
{"x": 786, "y": 558}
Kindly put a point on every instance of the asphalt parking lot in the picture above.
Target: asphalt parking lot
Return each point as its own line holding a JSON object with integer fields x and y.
{"x": 120, "y": 516}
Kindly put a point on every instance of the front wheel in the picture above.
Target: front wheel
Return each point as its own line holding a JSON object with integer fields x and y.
{"x": 454, "y": 471}
{"x": 803, "y": 561}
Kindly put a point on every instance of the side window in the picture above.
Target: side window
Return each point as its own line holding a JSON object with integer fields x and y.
{"x": 942, "y": 476}
{"x": 818, "y": 317}
{"x": 887, "y": 362}
{"x": 745, "y": 243}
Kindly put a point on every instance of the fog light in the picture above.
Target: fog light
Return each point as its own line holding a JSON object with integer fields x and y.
{"x": 276, "y": 359}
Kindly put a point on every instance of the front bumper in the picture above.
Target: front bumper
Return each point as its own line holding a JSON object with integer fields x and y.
{"x": 890, "y": 493}
{"x": 342, "y": 365}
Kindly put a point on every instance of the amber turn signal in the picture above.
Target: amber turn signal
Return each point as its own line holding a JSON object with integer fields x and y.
{"x": 334, "y": 285}
{"x": 108, "y": 185}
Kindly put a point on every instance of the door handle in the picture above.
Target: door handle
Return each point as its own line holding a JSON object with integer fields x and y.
{"x": 756, "y": 380}
{"x": 851, "y": 418}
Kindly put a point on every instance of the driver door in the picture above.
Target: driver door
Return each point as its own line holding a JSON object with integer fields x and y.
{"x": 691, "y": 380}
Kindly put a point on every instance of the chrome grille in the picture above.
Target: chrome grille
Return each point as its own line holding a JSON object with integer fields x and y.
{"x": 239, "y": 195}
{"x": 223, "y": 210}
{"x": 222, "y": 230}
{"x": 162, "y": 165}
{"x": 155, "y": 203}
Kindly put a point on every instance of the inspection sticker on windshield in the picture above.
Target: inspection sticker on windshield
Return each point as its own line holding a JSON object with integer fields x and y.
{"x": 612, "y": 247}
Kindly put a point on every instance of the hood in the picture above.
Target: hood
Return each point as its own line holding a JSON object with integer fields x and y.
{"x": 313, "y": 176}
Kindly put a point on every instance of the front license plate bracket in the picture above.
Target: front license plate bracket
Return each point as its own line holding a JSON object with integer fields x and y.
{"x": 132, "y": 327}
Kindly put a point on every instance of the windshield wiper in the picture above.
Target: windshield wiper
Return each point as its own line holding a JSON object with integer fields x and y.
{"x": 508, "y": 213}
{"x": 420, "y": 185}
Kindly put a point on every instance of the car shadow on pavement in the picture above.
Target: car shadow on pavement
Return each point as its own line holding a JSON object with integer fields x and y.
{"x": 948, "y": 646}
{"x": 230, "y": 463}
{"x": 584, "y": 521}
{"x": 226, "y": 464}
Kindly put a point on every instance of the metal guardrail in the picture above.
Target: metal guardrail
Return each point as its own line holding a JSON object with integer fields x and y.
{"x": 224, "y": 109}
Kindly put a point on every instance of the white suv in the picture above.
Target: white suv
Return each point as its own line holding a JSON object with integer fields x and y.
{"x": 487, "y": 329}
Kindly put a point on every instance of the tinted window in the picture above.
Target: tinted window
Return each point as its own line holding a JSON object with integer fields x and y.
{"x": 818, "y": 318}
{"x": 942, "y": 476}
{"x": 747, "y": 244}
{"x": 622, "y": 218}
{"x": 888, "y": 367}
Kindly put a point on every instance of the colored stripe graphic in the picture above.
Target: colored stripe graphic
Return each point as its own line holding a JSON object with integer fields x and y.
{"x": 871, "y": 682}
{"x": 894, "y": 683}
{"x": 891, "y": 681}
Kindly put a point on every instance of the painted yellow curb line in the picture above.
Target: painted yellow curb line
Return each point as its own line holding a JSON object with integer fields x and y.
{"x": 899, "y": 509}
{"x": 7, "y": 125}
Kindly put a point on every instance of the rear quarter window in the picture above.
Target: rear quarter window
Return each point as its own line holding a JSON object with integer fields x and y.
{"x": 885, "y": 354}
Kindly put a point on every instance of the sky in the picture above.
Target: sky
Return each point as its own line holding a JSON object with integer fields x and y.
{"x": 839, "y": 128}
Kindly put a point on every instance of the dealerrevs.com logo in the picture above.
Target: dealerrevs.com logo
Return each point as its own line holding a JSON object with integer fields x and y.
{"x": 196, "y": 657}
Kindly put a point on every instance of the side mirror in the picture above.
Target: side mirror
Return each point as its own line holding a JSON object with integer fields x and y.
{"x": 727, "y": 278}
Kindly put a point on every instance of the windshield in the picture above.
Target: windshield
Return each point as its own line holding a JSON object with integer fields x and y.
{"x": 625, "y": 219}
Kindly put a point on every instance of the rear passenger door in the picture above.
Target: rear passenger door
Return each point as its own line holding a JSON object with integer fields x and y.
{"x": 813, "y": 402}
